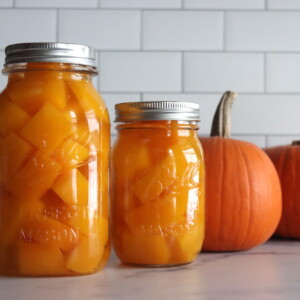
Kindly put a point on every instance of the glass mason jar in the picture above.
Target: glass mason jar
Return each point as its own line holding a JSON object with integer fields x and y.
{"x": 157, "y": 184}
{"x": 54, "y": 150}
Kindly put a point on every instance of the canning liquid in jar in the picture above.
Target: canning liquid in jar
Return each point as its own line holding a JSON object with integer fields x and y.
{"x": 157, "y": 184}
{"x": 54, "y": 149}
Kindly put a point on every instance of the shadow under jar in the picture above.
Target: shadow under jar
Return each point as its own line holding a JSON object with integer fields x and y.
{"x": 157, "y": 184}
{"x": 54, "y": 150}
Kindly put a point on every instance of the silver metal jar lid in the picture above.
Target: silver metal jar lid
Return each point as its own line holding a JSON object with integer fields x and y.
{"x": 157, "y": 110}
{"x": 50, "y": 52}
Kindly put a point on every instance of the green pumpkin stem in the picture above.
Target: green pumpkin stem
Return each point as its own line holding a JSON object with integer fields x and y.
{"x": 221, "y": 124}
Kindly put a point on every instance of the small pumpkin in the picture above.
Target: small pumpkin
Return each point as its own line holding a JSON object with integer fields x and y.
{"x": 286, "y": 160}
{"x": 243, "y": 193}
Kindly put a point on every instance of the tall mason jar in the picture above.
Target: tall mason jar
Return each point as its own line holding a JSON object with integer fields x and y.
{"x": 54, "y": 151}
{"x": 157, "y": 184}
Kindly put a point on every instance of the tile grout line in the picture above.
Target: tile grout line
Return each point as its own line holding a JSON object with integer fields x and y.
{"x": 265, "y": 72}
{"x": 182, "y": 72}
{"x": 14, "y": 3}
{"x": 224, "y": 30}
{"x": 141, "y": 30}
{"x": 57, "y": 25}
{"x": 99, "y": 4}
{"x": 266, "y": 140}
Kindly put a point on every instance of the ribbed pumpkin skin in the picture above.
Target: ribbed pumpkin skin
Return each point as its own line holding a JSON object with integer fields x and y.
{"x": 243, "y": 195}
{"x": 287, "y": 163}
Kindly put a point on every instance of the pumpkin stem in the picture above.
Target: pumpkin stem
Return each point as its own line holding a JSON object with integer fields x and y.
{"x": 221, "y": 124}
{"x": 296, "y": 143}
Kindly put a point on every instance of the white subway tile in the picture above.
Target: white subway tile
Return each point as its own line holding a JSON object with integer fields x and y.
{"x": 258, "y": 140}
{"x": 280, "y": 140}
{"x": 217, "y": 72}
{"x": 6, "y": 3}
{"x": 140, "y": 72}
{"x": 182, "y": 30}
{"x": 57, "y": 3}
{"x": 252, "y": 114}
{"x": 107, "y": 29}
{"x": 266, "y": 114}
{"x": 3, "y": 78}
{"x": 208, "y": 104}
{"x": 263, "y": 31}
{"x": 224, "y": 4}
{"x": 141, "y": 3}
{"x": 31, "y": 26}
{"x": 112, "y": 99}
{"x": 283, "y": 73}
{"x": 283, "y": 4}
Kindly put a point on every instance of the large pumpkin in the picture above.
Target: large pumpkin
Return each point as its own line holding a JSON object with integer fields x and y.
{"x": 243, "y": 194}
{"x": 287, "y": 163}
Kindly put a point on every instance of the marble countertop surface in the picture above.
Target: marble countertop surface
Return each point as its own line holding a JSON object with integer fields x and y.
{"x": 271, "y": 271}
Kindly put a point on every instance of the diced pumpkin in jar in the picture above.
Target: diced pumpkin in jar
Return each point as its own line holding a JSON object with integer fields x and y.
{"x": 12, "y": 118}
{"x": 35, "y": 259}
{"x": 188, "y": 243}
{"x": 82, "y": 134}
{"x": 152, "y": 218}
{"x": 31, "y": 95}
{"x": 35, "y": 178}
{"x": 181, "y": 160}
{"x": 73, "y": 215}
{"x": 88, "y": 98}
{"x": 86, "y": 257}
{"x": 14, "y": 210}
{"x": 139, "y": 154}
{"x": 71, "y": 153}
{"x": 14, "y": 152}
{"x": 72, "y": 187}
{"x": 55, "y": 208}
{"x": 145, "y": 250}
{"x": 154, "y": 181}
{"x": 50, "y": 232}
{"x": 47, "y": 129}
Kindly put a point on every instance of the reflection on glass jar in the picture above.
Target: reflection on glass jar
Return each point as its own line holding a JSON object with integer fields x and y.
{"x": 54, "y": 149}
{"x": 158, "y": 184}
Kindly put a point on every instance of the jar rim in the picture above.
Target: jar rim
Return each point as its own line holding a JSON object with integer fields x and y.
{"x": 157, "y": 110}
{"x": 50, "y": 52}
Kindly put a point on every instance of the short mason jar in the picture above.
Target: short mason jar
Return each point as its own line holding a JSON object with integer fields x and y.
{"x": 54, "y": 151}
{"x": 157, "y": 205}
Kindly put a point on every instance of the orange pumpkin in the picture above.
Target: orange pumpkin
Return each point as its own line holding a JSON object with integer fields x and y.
{"x": 287, "y": 163}
{"x": 243, "y": 193}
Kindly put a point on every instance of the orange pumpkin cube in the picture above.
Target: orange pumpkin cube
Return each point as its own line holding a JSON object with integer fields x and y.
{"x": 188, "y": 242}
{"x": 71, "y": 153}
{"x": 155, "y": 180}
{"x": 82, "y": 134}
{"x": 13, "y": 152}
{"x": 88, "y": 98}
{"x": 35, "y": 259}
{"x": 146, "y": 250}
{"x": 72, "y": 187}
{"x": 12, "y": 118}
{"x": 47, "y": 129}
{"x": 35, "y": 178}
{"x": 86, "y": 257}
{"x": 153, "y": 217}
{"x": 49, "y": 232}
{"x": 31, "y": 95}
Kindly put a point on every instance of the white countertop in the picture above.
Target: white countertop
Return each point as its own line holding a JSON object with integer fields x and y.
{"x": 271, "y": 271}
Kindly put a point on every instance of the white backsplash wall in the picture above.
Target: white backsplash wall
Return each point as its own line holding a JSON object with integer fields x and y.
{"x": 189, "y": 50}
